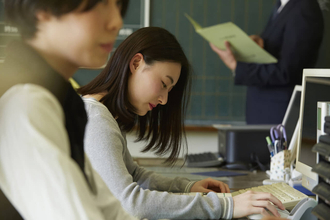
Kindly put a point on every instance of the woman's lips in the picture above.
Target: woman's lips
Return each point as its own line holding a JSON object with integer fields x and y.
{"x": 151, "y": 106}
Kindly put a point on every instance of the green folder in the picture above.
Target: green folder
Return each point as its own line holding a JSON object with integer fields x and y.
{"x": 243, "y": 47}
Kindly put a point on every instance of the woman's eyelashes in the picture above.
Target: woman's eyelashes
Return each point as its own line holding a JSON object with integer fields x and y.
{"x": 164, "y": 85}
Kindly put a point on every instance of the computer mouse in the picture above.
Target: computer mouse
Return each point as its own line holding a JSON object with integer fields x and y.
{"x": 283, "y": 213}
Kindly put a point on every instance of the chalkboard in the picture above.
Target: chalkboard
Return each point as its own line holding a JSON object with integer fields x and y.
{"x": 7, "y": 33}
{"x": 214, "y": 97}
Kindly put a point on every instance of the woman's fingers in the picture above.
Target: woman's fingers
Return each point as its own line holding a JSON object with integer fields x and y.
{"x": 260, "y": 210}
{"x": 255, "y": 203}
{"x": 270, "y": 197}
{"x": 209, "y": 184}
{"x": 216, "y": 185}
{"x": 222, "y": 187}
{"x": 227, "y": 188}
{"x": 267, "y": 205}
{"x": 272, "y": 218}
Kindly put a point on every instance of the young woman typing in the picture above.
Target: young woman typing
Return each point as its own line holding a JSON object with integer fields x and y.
{"x": 146, "y": 85}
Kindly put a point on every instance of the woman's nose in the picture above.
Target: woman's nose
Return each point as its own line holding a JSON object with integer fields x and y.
{"x": 163, "y": 98}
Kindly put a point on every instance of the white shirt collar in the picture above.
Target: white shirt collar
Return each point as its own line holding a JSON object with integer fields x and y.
{"x": 283, "y": 3}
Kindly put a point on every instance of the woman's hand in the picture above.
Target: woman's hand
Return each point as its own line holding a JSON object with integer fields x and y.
{"x": 273, "y": 218}
{"x": 210, "y": 185}
{"x": 250, "y": 203}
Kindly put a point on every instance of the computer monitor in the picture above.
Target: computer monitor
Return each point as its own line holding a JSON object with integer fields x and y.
{"x": 315, "y": 87}
{"x": 233, "y": 138}
{"x": 291, "y": 117}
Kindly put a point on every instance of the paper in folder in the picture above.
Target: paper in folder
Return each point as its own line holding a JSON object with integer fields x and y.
{"x": 243, "y": 47}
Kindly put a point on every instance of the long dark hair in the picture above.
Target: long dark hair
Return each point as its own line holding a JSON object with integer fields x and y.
{"x": 163, "y": 127}
{"x": 21, "y": 13}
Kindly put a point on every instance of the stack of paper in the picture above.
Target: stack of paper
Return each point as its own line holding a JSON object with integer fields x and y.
{"x": 243, "y": 47}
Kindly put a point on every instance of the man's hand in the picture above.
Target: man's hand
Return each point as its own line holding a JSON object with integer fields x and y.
{"x": 210, "y": 185}
{"x": 226, "y": 56}
{"x": 258, "y": 40}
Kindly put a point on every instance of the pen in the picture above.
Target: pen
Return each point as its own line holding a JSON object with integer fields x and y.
{"x": 277, "y": 146}
{"x": 270, "y": 146}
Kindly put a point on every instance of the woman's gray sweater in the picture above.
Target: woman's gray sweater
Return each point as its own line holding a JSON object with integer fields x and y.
{"x": 142, "y": 193}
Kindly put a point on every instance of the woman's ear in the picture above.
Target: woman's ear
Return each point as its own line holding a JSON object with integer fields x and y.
{"x": 136, "y": 62}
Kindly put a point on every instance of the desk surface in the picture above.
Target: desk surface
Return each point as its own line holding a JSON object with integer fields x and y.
{"x": 228, "y": 127}
{"x": 252, "y": 179}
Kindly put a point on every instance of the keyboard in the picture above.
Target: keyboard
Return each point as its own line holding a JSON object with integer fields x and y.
{"x": 207, "y": 159}
{"x": 285, "y": 193}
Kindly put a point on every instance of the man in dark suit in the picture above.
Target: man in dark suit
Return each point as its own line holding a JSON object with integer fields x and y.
{"x": 293, "y": 35}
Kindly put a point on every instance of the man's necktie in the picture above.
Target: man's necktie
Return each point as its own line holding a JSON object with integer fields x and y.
{"x": 277, "y": 6}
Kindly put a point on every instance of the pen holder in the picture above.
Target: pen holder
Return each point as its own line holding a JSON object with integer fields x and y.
{"x": 279, "y": 165}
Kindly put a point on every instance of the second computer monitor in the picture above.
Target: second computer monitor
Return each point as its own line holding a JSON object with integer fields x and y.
{"x": 315, "y": 87}
{"x": 291, "y": 116}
